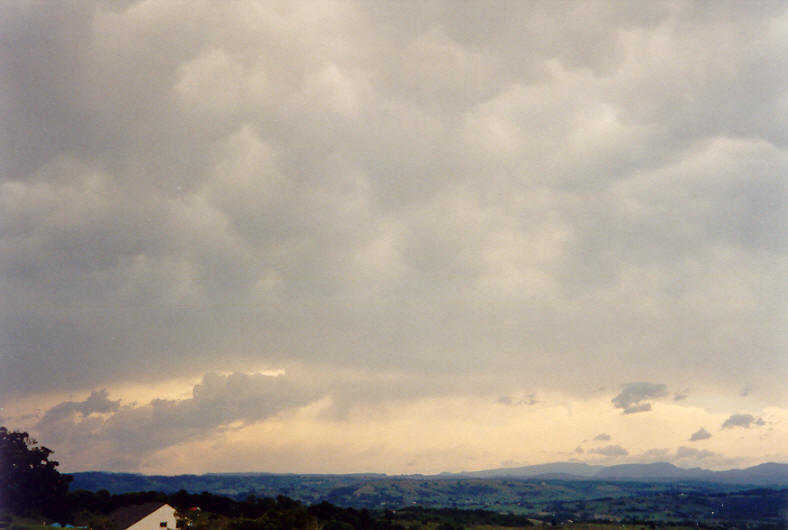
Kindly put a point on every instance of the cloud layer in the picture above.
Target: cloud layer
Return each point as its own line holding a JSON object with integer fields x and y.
{"x": 532, "y": 198}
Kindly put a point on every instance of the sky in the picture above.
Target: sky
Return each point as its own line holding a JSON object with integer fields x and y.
{"x": 400, "y": 237}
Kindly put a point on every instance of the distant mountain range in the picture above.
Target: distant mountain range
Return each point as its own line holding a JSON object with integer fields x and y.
{"x": 768, "y": 474}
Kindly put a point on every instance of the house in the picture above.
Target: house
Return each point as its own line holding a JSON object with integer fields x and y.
{"x": 148, "y": 516}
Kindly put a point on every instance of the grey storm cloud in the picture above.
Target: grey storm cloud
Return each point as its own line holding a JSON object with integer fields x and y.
{"x": 700, "y": 434}
{"x": 97, "y": 402}
{"x": 136, "y": 430}
{"x": 742, "y": 420}
{"x": 539, "y": 194}
{"x": 77, "y": 421}
{"x": 105, "y": 429}
{"x": 604, "y": 437}
{"x": 692, "y": 453}
{"x": 634, "y": 395}
{"x": 609, "y": 450}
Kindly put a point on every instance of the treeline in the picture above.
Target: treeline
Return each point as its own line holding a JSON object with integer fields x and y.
{"x": 102, "y": 502}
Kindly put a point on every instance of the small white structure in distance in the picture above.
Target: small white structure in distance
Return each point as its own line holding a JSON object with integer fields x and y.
{"x": 148, "y": 516}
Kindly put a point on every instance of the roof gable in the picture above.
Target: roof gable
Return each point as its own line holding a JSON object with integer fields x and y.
{"x": 123, "y": 518}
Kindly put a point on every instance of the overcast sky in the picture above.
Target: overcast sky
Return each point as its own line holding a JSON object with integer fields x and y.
{"x": 394, "y": 236}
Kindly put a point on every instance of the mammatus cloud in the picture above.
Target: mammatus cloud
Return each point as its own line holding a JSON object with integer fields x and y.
{"x": 692, "y": 453}
{"x": 602, "y": 437}
{"x": 609, "y": 450}
{"x": 742, "y": 420}
{"x": 700, "y": 434}
{"x": 632, "y": 397}
{"x": 306, "y": 199}
{"x": 587, "y": 193}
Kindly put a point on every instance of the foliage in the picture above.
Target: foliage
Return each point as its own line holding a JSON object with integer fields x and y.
{"x": 29, "y": 482}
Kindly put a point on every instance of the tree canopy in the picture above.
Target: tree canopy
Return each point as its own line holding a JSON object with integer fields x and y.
{"x": 29, "y": 481}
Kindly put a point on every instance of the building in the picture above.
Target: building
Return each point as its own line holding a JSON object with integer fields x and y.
{"x": 148, "y": 516}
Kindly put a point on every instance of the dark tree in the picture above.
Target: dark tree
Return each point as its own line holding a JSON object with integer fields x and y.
{"x": 29, "y": 482}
